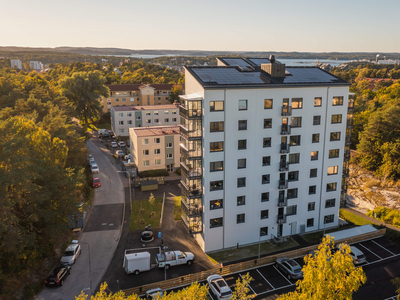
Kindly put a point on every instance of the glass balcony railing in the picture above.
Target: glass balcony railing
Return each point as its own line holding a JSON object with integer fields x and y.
{"x": 283, "y": 166}
{"x": 281, "y": 219}
{"x": 283, "y": 184}
{"x": 285, "y": 148}
{"x": 282, "y": 202}
{"x": 190, "y": 172}
{"x": 190, "y": 113}
{"x": 190, "y": 154}
{"x": 286, "y": 110}
{"x": 192, "y": 224}
{"x": 191, "y": 191}
{"x": 285, "y": 129}
{"x": 346, "y": 155}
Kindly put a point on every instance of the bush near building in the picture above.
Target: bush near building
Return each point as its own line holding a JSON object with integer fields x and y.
{"x": 154, "y": 173}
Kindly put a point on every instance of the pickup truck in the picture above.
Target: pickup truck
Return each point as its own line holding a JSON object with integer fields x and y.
{"x": 174, "y": 258}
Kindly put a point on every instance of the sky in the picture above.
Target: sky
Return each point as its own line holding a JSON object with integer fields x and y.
{"x": 221, "y": 25}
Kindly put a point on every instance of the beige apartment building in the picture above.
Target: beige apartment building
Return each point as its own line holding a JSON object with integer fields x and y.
{"x": 155, "y": 147}
{"x": 136, "y": 94}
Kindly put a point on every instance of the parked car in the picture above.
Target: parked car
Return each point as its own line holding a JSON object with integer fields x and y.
{"x": 122, "y": 144}
{"x": 94, "y": 169}
{"x": 120, "y": 153}
{"x": 91, "y": 160}
{"x": 90, "y": 156}
{"x": 71, "y": 254}
{"x": 114, "y": 145}
{"x": 58, "y": 275}
{"x": 92, "y": 163}
{"x": 357, "y": 255}
{"x": 219, "y": 287}
{"x": 96, "y": 182}
{"x": 153, "y": 293}
{"x": 290, "y": 267}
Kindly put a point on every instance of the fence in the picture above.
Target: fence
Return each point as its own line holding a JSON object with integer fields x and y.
{"x": 160, "y": 180}
{"x": 188, "y": 279}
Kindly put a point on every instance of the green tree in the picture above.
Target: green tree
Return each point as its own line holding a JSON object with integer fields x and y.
{"x": 83, "y": 90}
{"x": 328, "y": 276}
{"x": 242, "y": 288}
{"x": 176, "y": 90}
{"x": 396, "y": 282}
{"x": 152, "y": 200}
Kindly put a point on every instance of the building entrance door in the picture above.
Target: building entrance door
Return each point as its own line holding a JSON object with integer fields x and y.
{"x": 280, "y": 229}
{"x": 294, "y": 228}
{"x": 170, "y": 167}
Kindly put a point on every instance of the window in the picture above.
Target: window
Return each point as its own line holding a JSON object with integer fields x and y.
{"x": 294, "y": 140}
{"x": 173, "y": 119}
{"x": 291, "y": 210}
{"x": 311, "y": 206}
{"x": 314, "y": 155}
{"x": 120, "y": 115}
{"x": 157, "y": 151}
{"x": 157, "y": 140}
{"x": 336, "y": 119}
{"x": 146, "y": 152}
{"x": 216, "y": 126}
{"x": 297, "y": 103}
{"x": 266, "y": 161}
{"x": 157, "y": 162}
{"x": 313, "y": 173}
{"x": 268, "y": 104}
{"x": 266, "y": 142}
{"x": 337, "y": 101}
{"x": 216, "y": 105}
{"x": 292, "y": 193}
{"x": 241, "y": 182}
{"x": 148, "y": 121}
{"x": 332, "y": 170}
{"x": 265, "y": 179}
{"x": 216, "y": 185}
{"x": 155, "y": 113}
{"x": 121, "y": 122}
{"x": 132, "y": 99}
{"x": 330, "y": 187}
{"x": 145, "y": 141}
{"x": 267, "y": 123}
{"x": 242, "y": 125}
{"x": 293, "y": 176}
{"x": 240, "y": 218}
{"x": 166, "y": 112}
{"x": 264, "y": 214}
{"x": 129, "y": 114}
{"x": 169, "y": 145}
{"x": 174, "y": 111}
{"x": 121, "y": 130}
{"x": 138, "y": 118}
{"x": 242, "y": 144}
{"x": 295, "y": 122}
{"x": 123, "y": 99}
{"x": 216, "y": 146}
{"x": 265, "y": 197}
{"x": 241, "y": 200}
{"x": 312, "y": 189}
{"x": 148, "y": 113}
{"x": 216, "y": 166}
{"x": 317, "y": 101}
{"x": 159, "y": 98}
{"x": 317, "y": 120}
{"x": 328, "y": 219}
{"x": 217, "y": 222}
{"x": 294, "y": 158}
{"x": 146, "y": 163}
{"x": 333, "y": 153}
{"x": 156, "y": 121}
{"x": 315, "y": 138}
{"x": 310, "y": 222}
{"x": 166, "y": 120}
{"x": 335, "y": 136}
{"x": 264, "y": 231}
{"x": 329, "y": 203}
{"x": 241, "y": 163}
{"x": 169, "y": 155}
{"x": 215, "y": 204}
{"x": 242, "y": 104}
{"x": 130, "y": 122}
{"x": 117, "y": 100}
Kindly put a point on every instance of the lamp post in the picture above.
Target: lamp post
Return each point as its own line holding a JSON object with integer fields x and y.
{"x": 130, "y": 190}
{"x": 90, "y": 267}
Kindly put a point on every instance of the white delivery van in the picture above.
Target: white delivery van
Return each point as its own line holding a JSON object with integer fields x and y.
{"x": 137, "y": 262}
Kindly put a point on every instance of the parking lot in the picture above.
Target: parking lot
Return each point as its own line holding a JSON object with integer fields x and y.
{"x": 383, "y": 261}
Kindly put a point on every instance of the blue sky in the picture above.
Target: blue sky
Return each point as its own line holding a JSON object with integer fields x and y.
{"x": 263, "y": 25}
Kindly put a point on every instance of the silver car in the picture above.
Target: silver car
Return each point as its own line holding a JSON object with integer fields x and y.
{"x": 219, "y": 287}
{"x": 71, "y": 254}
{"x": 357, "y": 255}
{"x": 154, "y": 294}
{"x": 290, "y": 267}
{"x": 94, "y": 169}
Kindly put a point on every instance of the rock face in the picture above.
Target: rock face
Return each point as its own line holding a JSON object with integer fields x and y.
{"x": 367, "y": 192}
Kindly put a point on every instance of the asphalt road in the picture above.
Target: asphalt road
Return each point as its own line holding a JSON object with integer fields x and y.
{"x": 102, "y": 233}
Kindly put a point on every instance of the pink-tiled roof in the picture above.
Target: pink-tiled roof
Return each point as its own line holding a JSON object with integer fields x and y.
{"x": 155, "y": 131}
{"x": 145, "y": 107}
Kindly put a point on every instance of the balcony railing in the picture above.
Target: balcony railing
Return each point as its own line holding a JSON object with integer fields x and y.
{"x": 190, "y": 113}
{"x": 190, "y": 154}
{"x": 349, "y": 123}
{"x": 189, "y": 172}
{"x": 283, "y": 184}
{"x": 350, "y": 106}
{"x": 345, "y": 173}
{"x": 190, "y": 133}
{"x": 285, "y": 129}
{"x": 190, "y": 191}
{"x": 285, "y": 148}
{"x": 282, "y": 202}
{"x": 346, "y": 155}
{"x": 193, "y": 209}
{"x": 348, "y": 140}
{"x": 281, "y": 219}
{"x": 286, "y": 110}
{"x": 192, "y": 225}
{"x": 283, "y": 166}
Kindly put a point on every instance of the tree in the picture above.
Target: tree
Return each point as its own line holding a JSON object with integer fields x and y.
{"x": 152, "y": 199}
{"x": 177, "y": 89}
{"x": 242, "y": 289}
{"x": 83, "y": 90}
{"x": 328, "y": 276}
{"x": 396, "y": 282}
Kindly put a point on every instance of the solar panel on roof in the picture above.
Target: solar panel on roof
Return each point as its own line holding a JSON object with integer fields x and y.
{"x": 259, "y": 61}
{"x": 308, "y": 75}
{"x": 236, "y": 62}
{"x": 228, "y": 76}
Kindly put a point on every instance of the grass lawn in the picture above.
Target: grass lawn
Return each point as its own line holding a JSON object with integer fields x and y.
{"x": 177, "y": 208}
{"x": 248, "y": 251}
{"x": 143, "y": 214}
{"x": 352, "y": 218}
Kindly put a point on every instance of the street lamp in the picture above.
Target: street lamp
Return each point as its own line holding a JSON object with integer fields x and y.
{"x": 130, "y": 190}
{"x": 90, "y": 267}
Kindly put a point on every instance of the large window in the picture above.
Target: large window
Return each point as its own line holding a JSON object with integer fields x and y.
{"x": 332, "y": 170}
{"x": 311, "y": 206}
{"x": 317, "y": 101}
{"x": 216, "y": 126}
{"x": 268, "y": 104}
{"x": 216, "y": 146}
{"x": 291, "y": 210}
{"x": 335, "y": 136}
{"x": 337, "y": 100}
{"x": 264, "y": 214}
{"x": 330, "y": 187}
{"x": 266, "y": 160}
{"x": 292, "y": 193}
{"x": 315, "y": 138}
{"x": 295, "y": 122}
{"x": 294, "y": 158}
{"x": 313, "y": 173}
{"x": 294, "y": 140}
{"x": 336, "y": 119}
{"x": 215, "y": 204}
{"x": 333, "y": 153}
{"x": 242, "y": 125}
{"x": 312, "y": 189}
{"x": 216, "y": 166}
{"x": 293, "y": 176}
{"x": 241, "y": 182}
{"x": 242, "y": 144}
{"x": 267, "y": 142}
{"x": 216, "y": 105}
{"x": 241, "y": 163}
{"x": 330, "y": 203}
{"x": 314, "y": 155}
{"x": 241, "y": 200}
{"x": 297, "y": 103}
{"x": 217, "y": 222}
{"x": 329, "y": 219}
{"x": 265, "y": 179}
{"x": 267, "y": 123}
{"x": 317, "y": 120}
{"x": 240, "y": 218}
{"x": 242, "y": 104}
{"x": 216, "y": 185}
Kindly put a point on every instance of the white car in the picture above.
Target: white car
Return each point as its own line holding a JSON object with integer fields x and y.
{"x": 71, "y": 254}
{"x": 120, "y": 153}
{"x": 95, "y": 169}
{"x": 122, "y": 144}
{"x": 219, "y": 287}
{"x": 357, "y": 255}
{"x": 90, "y": 156}
{"x": 152, "y": 294}
{"x": 114, "y": 145}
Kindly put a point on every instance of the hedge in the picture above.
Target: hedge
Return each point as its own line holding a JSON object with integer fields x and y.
{"x": 178, "y": 171}
{"x": 154, "y": 173}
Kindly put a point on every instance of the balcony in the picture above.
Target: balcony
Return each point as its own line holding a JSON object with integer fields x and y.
{"x": 283, "y": 166}
{"x": 283, "y": 184}
{"x": 286, "y": 110}
{"x": 190, "y": 113}
{"x": 349, "y": 123}
{"x": 346, "y": 155}
{"x": 285, "y": 148}
{"x": 281, "y": 219}
{"x": 282, "y": 202}
{"x": 191, "y": 209}
{"x": 192, "y": 224}
{"x": 350, "y": 106}
{"x": 190, "y": 154}
{"x": 190, "y": 191}
{"x": 345, "y": 173}
{"x": 194, "y": 133}
{"x": 285, "y": 129}
{"x": 190, "y": 172}
{"x": 348, "y": 140}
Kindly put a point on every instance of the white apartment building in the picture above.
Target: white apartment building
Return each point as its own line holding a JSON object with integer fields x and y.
{"x": 125, "y": 117}
{"x": 36, "y": 65}
{"x": 262, "y": 151}
{"x": 16, "y": 63}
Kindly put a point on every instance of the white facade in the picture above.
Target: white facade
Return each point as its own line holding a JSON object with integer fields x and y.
{"x": 16, "y": 63}
{"x": 36, "y": 65}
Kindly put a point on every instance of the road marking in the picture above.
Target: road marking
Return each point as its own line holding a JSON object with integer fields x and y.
{"x": 111, "y": 224}
{"x": 248, "y": 285}
{"x": 381, "y": 260}
{"x": 370, "y": 251}
{"x": 383, "y": 247}
{"x": 273, "y": 288}
{"x": 283, "y": 275}
{"x": 279, "y": 288}
{"x": 104, "y": 224}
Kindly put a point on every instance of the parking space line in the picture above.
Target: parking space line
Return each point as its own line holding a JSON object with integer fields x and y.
{"x": 380, "y": 260}
{"x": 282, "y": 275}
{"x": 265, "y": 279}
{"x": 279, "y": 288}
{"x": 370, "y": 251}
{"x": 382, "y": 247}
{"x": 208, "y": 290}
{"x": 248, "y": 285}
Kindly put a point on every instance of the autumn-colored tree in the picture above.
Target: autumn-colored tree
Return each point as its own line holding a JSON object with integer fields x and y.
{"x": 328, "y": 276}
{"x": 176, "y": 90}
{"x": 242, "y": 288}
{"x": 396, "y": 282}
{"x": 152, "y": 200}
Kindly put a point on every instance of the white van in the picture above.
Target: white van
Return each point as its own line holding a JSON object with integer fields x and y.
{"x": 136, "y": 262}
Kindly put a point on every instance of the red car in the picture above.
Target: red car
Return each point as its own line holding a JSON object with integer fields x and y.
{"x": 96, "y": 182}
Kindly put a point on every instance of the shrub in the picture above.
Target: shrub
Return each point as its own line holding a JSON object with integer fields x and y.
{"x": 154, "y": 173}
{"x": 178, "y": 171}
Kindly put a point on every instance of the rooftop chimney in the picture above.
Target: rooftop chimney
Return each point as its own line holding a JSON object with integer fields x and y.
{"x": 274, "y": 68}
